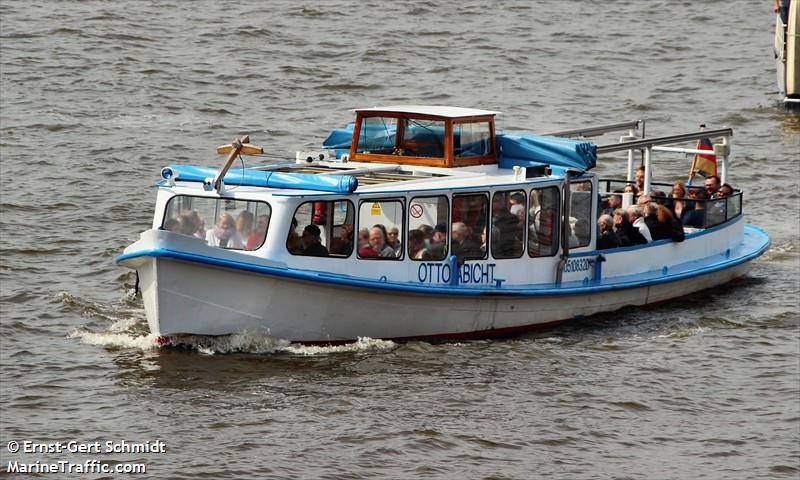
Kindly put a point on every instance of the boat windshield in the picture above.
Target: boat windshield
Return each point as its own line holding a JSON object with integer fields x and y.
{"x": 405, "y": 136}
{"x": 224, "y": 223}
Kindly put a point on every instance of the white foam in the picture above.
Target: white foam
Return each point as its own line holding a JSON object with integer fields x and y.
{"x": 112, "y": 339}
{"x": 363, "y": 344}
{"x": 120, "y": 336}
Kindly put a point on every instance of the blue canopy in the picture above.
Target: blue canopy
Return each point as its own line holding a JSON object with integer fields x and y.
{"x": 340, "y": 138}
{"x": 515, "y": 149}
{"x": 260, "y": 178}
{"x": 526, "y": 150}
{"x": 376, "y": 136}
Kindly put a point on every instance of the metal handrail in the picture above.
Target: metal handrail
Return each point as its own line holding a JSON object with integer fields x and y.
{"x": 598, "y": 129}
{"x": 668, "y": 140}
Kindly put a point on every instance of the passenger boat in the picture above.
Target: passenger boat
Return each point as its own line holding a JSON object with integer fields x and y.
{"x": 787, "y": 51}
{"x": 420, "y": 222}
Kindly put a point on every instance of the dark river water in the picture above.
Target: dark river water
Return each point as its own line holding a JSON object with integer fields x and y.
{"x": 97, "y": 96}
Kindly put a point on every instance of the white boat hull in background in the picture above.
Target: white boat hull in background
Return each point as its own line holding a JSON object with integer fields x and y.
{"x": 787, "y": 55}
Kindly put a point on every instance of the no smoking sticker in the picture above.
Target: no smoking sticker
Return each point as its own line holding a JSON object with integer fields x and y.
{"x": 416, "y": 210}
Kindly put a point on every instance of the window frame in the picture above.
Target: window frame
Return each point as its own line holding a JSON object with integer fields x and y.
{"x": 524, "y": 227}
{"x": 491, "y": 157}
{"x": 216, "y": 214}
{"x": 556, "y": 223}
{"x": 592, "y": 221}
{"x": 488, "y": 217}
{"x": 449, "y": 223}
{"x": 330, "y": 255}
{"x": 402, "y": 227}
{"x": 361, "y": 117}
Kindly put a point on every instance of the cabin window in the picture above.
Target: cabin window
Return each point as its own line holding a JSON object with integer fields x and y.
{"x": 580, "y": 212}
{"x": 322, "y": 229}
{"x": 421, "y": 138}
{"x": 377, "y": 135}
{"x": 508, "y": 224}
{"x": 468, "y": 229}
{"x": 543, "y": 220}
{"x": 221, "y": 222}
{"x": 472, "y": 139}
{"x": 428, "y": 228}
{"x": 380, "y": 235}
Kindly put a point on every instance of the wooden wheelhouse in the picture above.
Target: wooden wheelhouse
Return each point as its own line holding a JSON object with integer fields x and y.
{"x": 427, "y": 136}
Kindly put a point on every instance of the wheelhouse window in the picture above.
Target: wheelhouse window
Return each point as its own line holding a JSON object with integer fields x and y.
{"x": 322, "y": 229}
{"x": 421, "y": 138}
{"x": 508, "y": 224}
{"x": 468, "y": 234}
{"x": 580, "y": 214}
{"x": 221, "y": 222}
{"x": 380, "y": 234}
{"x": 377, "y": 135}
{"x": 472, "y": 139}
{"x": 543, "y": 221}
{"x": 428, "y": 228}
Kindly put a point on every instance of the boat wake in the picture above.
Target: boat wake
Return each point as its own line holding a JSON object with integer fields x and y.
{"x": 126, "y": 334}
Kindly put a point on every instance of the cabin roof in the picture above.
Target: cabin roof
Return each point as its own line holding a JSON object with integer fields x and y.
{"x": 434, "y": 110}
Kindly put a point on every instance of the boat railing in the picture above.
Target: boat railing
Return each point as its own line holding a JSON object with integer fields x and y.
{"x": 631, "y": 127}
{"x": 648, "y": 145}
{"x": 716, "y": 211}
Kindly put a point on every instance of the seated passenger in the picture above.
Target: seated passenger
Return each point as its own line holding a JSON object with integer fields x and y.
{"x": 294, "y": 243}
{"x": 662, "y": 225}
{"x": 613, "y": 202}
{"x": 188, "y": 223}
{"x": 631, "y": 189}
{"x": 393, "y": 240}
{"x": 711, "y": 186}
{"x": 363, "y": 238}
{"x": 463, "y": 246}
{"x": 506, "y": 230}
{"x": 677, "y": 202}
{"x": 725, "y": 191}
{"x": 377, "y": 242}
{"x": 607, "y": 238}
{"x": 517, "y": 207}
{"x": 244, "y": 226}
{"x": 192, "y": 224}
{"x": 636, "y": 217}
{"x": 416, "y": 244}
{"x": 437, "y": 245}
{"x": 256, "y": 238}
{"x": 626, "y": 234}
{"x": 676, "y": 231}
{"x": 696, "y": 216}
{"x": 173, "y": 225}
{"x": 639, "y": 178}
{"x": 223, "y": 234}
{"x": 343, "y": 244}
{"x": 312, "y": 245}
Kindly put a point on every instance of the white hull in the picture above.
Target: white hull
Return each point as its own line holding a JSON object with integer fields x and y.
{"x": 189, "y": 298}
{"x": 787, "y": 55}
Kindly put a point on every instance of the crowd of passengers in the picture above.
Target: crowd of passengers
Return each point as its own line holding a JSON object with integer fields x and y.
{"x": 244, "y": 233}
{"x": 427, "y": 242}
{"x": 655, "y": 216}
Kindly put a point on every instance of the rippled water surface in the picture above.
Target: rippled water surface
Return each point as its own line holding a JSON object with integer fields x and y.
{"x": 97, "y": 96}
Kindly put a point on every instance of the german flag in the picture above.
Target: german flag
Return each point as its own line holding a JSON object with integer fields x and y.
{"x": 705, "y": 165}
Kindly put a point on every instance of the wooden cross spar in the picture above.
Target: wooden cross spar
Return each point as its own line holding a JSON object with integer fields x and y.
{"x": 234, "y": 149}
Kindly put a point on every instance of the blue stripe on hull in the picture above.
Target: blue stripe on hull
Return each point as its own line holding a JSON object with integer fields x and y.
{"x": 755, "y": 243}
